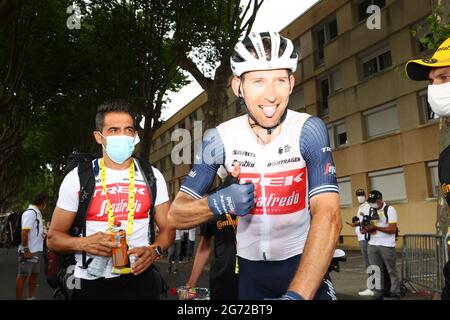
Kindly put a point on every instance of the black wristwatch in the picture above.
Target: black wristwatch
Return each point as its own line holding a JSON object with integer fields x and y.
{"x": 158, "y": 251}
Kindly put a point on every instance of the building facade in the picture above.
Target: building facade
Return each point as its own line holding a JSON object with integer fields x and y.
{"x": 381, "y": 128}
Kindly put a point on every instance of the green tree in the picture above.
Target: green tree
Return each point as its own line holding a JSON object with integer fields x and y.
{"x": 136, "y": 57}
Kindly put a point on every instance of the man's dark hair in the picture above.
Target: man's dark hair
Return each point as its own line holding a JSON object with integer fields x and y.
{"x": 116, "y": 105}
{"x": 39, "y": 199}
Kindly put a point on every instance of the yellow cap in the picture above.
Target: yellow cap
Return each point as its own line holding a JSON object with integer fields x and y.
{"x": 419, "y": 69}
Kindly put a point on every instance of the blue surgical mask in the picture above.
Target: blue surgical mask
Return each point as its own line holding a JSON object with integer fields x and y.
{"x": 119, "y": 148}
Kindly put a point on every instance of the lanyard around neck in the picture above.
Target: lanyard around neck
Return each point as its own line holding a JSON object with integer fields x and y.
{"x": 131, "y": 189}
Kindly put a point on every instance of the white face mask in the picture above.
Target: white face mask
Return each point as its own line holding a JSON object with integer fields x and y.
{"x": 439, "y": 99}
{"x": 373, "y": 205}
{"x": 361, "y": 199}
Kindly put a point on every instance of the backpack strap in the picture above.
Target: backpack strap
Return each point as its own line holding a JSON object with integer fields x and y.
{"x": 87, "y": 187}
{"x": 150, "y": 181}
{"x": 386, "y": 207}
{"x": 37, "y": 220}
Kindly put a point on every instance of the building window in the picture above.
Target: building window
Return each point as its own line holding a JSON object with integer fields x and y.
{"x": 337, "y": 133}
{"x": 381, "y": 121}
{"x": 166, "y": 137}
{"x": 345, "y": 191}
{"x": 362, "y": 6}
{"x": 391, "y": 183}
{"x": 323, "y": 34}
{"x": 297, "y": 99}
{"x": 433, "y": 167}
{"x": 297, "y": 47}
{"x": 376, "y": 62}
{"x": 162, "y": 165}
{"x": 172, "y": 189}
{"x": 426, "y": 112}
{"x": 168, "y": 162}
{"x": 328, "y": 85}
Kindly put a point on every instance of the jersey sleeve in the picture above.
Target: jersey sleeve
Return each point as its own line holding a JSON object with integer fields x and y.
{"x": 68, "y": 192}
{"x": 315, "y": 149}
{"x": 161, "y": 187}
{"x": 207, "y": 161}
{"x": 28, "y": 219}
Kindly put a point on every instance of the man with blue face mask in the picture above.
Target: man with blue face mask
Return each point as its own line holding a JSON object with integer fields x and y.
{"x": 120, "y": 198}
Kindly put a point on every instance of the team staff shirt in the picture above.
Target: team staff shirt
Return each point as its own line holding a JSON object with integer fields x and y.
{"x": 117, "y": 184}
{"x": 363, "y": 210}
{"x": 287, "y": 172}
{"x": 33, "y": 221}
{"x": 381, "y": 238}
{"x": 223, "y": 280}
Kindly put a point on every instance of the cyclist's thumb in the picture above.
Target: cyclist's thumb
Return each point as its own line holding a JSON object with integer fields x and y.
{"x": 236, "y": 169}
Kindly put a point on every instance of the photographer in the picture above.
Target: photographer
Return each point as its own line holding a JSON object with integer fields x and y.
{"x": 363, "y": 210}
{"x": 381, "y": 250}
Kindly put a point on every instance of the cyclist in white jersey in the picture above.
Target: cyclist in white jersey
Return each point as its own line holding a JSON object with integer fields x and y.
{"x": 287, "y": 194}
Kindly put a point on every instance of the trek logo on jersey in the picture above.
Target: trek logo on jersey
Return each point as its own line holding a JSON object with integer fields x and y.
{"x": 118, "y": 196}
{"x": 330, "y": 169}
{"x": 326, "y": 149}
{"x": 284, "y": 192}
{"x": 120, "y": 189}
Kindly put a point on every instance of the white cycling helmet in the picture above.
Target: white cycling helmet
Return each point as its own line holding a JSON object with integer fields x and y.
{"x": 283, "y": 55}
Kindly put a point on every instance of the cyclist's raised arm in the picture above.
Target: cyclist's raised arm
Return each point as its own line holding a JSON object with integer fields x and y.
{"x": 187, "y": 212}
{"x": 190, "y": 208}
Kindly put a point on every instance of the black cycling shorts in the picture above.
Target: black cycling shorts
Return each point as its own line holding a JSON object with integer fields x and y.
{"x": 270, "y": 279}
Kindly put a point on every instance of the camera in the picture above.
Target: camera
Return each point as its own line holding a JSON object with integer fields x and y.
{"x": 366, "y": 221}
{"x": 355, "y": 220}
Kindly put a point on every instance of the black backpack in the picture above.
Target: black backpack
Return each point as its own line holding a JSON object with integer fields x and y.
{"x": 387, "y": 220}
{"x": 56, "y": 265}
{"x": 17, "y": 233}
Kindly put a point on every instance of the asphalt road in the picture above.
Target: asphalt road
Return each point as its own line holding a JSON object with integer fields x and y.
{"x": 347, "y": 282}
{"x": 8, "y": 273}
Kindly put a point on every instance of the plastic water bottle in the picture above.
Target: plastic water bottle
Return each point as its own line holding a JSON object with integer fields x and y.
{"x": 97, "y": 266}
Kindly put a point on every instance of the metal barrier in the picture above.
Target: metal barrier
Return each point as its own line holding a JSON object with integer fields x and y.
{"x": 423, "y": 260}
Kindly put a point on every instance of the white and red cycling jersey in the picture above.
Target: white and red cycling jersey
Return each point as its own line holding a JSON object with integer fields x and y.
{"x": 296, "y": 166}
